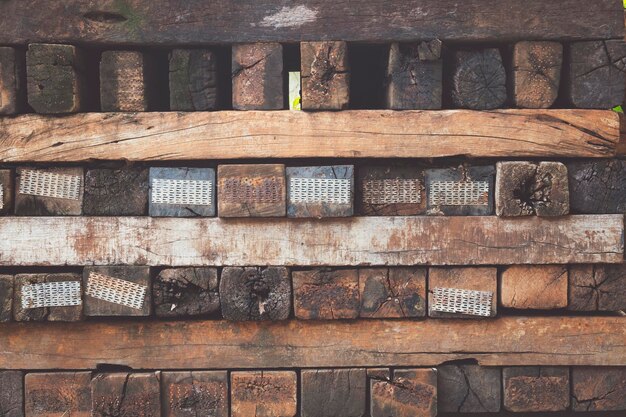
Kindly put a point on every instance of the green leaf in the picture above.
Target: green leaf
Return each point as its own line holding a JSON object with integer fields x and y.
{"x": 618, "y": 109}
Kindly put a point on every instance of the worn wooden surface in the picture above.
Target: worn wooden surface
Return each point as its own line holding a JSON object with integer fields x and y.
{"x": 263, "y": 394}
{"x": 536, "y": 73}
{"x": 126, "y": 394}
{"x": 536, "y": 388}
{"x": 597, "y": 287}
{"x": 479, "y": 79}
{"x": 454, "y": 201}
{"x": 473, "y": 279}
{"x": 257, "y": 76}
{"x": 390, "y": 189}
{"x": 96, "y": 307}
{"x": 333, "y": 392}
{"x": 6, "y": 297}
{"x": 199, "y": 393}
{"x": 534, "y": 287}
{"x": 409, "y": 393}
{"x": 338, "y": 242}
{"x": 193, "y": 80}
{"x": 294, "y": 134}
{"x": 468, "y": 389}
{"x": 11, "y": 394}
{"x": 186, "y": 292}
{"x": 326, "y": 294}
{"x": 598, "y": 389}
{"x": 188, "y": 192}
{"x": 41, "y": 205}
{"x": 597, "y": 186}
{"x": 392, "y": 292}
{"x": 58, "y": 394}
{"x": 125, "y": 81}
{"x": 325, "y": 74}
{"x": 116, "y": 192}
{"x": 7, "y": 183}
{"x": 309, "y": 199}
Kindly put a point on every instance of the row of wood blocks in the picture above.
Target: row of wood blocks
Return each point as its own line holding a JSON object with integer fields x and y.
{"x": 271, "y": 190}
{"x": 351, "y": 392}
{"x": 414, "y": 77}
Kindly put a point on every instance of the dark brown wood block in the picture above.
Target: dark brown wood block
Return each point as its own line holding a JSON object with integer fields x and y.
{"x": 599, "y": 389}
{"x": 479, "y": 80}
{"x": 186, "y": 292}
{"x": 251, "y": 190}
{"x": 29, "y": 308}
{"x": 411, "y": 393}
{"x": 197, "y": 393}
{"x": 58, "y": 394}
{"x": 483, "y": 279}
{"x": 541, "y": 287}
{"x": 597, "y": 187}
{"x": 11, "y": 394}
{"x": 392, "y": 292}
{"x": 117, "y": 291}
{"x": 6, "y": 191}
{"x": 27, "y": 314}
{"x": 6, "y": 297}
{"x": 414, "y": 76}
{"x": 536, "y": 73}
{"x": 193, "y": 80}
{"x": 325, "y": 72}
{"x": 379, "y": 373}
{"x": 528, "y": 188}
{"x": 255, "y": 293}
{"x": 65, "y": 313}
{"x": 263, "y": 394}
{"x": 126, "y": 395}
{"x": 12, "y": 92}
{"x": 49, "y": 192}
{"x": 55, "y": 78}
{"x": 333, "y": 392}
{"x": 320, "y": 191}
{"x": 597, "y": 287}
{"x": 468, "y": 389}
{"x": 536, "y": 389}
{"x": 324, "y": 294}
{"x": 116, "y": 192}
{"x": 125, "y": 81}
{"x": 390, "y": 190}
{"x": 258, "y": 78}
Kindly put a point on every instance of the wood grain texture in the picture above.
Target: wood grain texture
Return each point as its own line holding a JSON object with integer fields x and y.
{"x": 294, "y": 134}
{"x": 340, "y": 242}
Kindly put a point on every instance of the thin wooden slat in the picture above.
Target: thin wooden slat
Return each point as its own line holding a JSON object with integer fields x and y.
{"x": 297, "y": 134}
{"x": 293, "y": 242}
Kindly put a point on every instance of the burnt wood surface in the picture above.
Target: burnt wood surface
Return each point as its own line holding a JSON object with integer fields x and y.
{"x": 193, "y": 79}
{"x": 597, "y": 186}
{"x": 479, "y": 79}
{"x": 392, "y": 292}
{"x": 333, "y": 392}
{"x": 597, "y": 287}
{"x": 409, "y": 393}
{"x": 324, "y": 294}
{"x": 7, "y": 282}
{"x": 186, "y": 292}
{"x": 11, "y": 394}
{"x": 116, "y": 192}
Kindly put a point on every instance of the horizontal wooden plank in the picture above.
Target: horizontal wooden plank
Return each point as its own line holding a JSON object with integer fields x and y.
{"x": 621, "y": 145}
{"x": 297, "y": 134}
{"x": 295, "y": 242}
{"x": 506, "y": 341}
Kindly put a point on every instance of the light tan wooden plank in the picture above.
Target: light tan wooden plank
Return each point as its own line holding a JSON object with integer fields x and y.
{"x": 347, "y": 241}
{"x": 295, "y": 134}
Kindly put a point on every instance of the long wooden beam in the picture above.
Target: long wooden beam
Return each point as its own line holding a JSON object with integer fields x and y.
{"x": 297, "y": 134}
{"x": 298, "y": 242}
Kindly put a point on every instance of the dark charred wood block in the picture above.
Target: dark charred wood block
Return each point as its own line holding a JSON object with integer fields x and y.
{"x": 27, "y": 314}
{"x": 6, "y": 298}
{"x": 251, "y": 190}
{"x": 195, "y": 393}
{"x": 469, "y": 389}
{"x": 597, "y": 186}
{"x": 258, "y": 78}
{"x": 182, "y": 192}
{"x": 193, "y": 80}
{"x": 536, "y": 74}
{"x": 411, "y": 393}
{"x": 596, "y": 74}
{"x": 58, "y": 394}
{"x": 126, "y": 394}
{"x": 34, "y": 299}
{"x": 324, "y": 294}
{"x": 325, "y": 191}
{"x": 117, "y": 291}
{"x": 379, "y": 373}
{"x": 263, "y": 394}
{"x": 325, "y": 72}
{"x": 414, "y": 76}
{"x": 530, "y": 389}
{"x": 542, "y": 287}
{"x": 255, "y": 293}
{"x": 480, "y": 286}
{"x": 597, "y": 287}
{"x": 125, "y": 81}
{"x": 528, "y": 188}
{"x": 392, "y": 292}
{"x": 186, "y": 292}
{"x": 333, "y": 393}
{"x": 67, "y": 312}
{"x": 599, "y": 389}
{"x": 6, "y": 191}
{"x": 116, "y": 192}
{"x": 11, "y": 394}
{"x": 49, "y": 192}
{"x": 479, "y": 80}
{"x": 55, "y": 78}
{"x": 11, "y": 81}
{"x": 460, "y": 191}
{"x": 386, "y": 190}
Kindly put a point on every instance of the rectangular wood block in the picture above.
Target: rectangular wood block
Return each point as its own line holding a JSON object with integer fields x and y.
{"x": 125, "y": 81}
{"x": 58, "y": 394}
{"x": 392, "y": 292}
{"x": 6, "y": 297}
{"x": 186, "y": 292}
{"x": 55, "y": 78}
{"x": 333, "y": 392}
{"x": 598, "y": 389}
{"x": 536, "y": 73}
{"x": 460, "y": 191}
{"x": 6, "y": 191}
{"x": 126, "y": 394}
{"x": 391, "y": 190}
{"x": 117, "y": 291}
{"x": 42, "y": 300}
{"x": 597, "y": 287}
{"x": 27, "y": 314}
{"x": 193, "y": 80}
{"x": 258, "y": 78}
{"x": 468, "y": 389}
{"x": 536, "y": 388}
{"x": 597, "y": 186}
{"x": 182, "y": 192}
{"x": 379, "y": 373}
{"x": 67, "y": 296}
{"x": 483, "y": 280}
{"x": 49, "y": 191}
{"x": 116, "y": 192}
{"x": 470, "y": 67}
{"x": 411, "y": 393}
{"x": 12, "y": 77}
{"x": 325, "y": 294}
{"x": 263, "y": 394}
{"x": 197, "y": 393}
{"x": 251, "y": 190}
{"x": 542, "y": 287}
{"x": 415, "y": 76}
{"x": 325, "y": 72}
{"x": 11, "y": 394}
{"x": 324, "y": 191}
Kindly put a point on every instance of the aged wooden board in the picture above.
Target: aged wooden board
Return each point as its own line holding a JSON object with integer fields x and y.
{"x": 296, "y": 134}
{"x": 292, "y": 242}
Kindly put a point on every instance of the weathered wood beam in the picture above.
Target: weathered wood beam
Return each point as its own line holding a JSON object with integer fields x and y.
{"x": 290, "y": 134}
{"x": 288, "y": 242}
{"x": 509, "y": 341}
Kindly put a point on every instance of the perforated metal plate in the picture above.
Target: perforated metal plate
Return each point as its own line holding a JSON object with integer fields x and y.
{"x": 454, "y": 300}
{"x": 51, "y": 294}
{"x": 459, "y": 193}
{"x": 115, "y": 290}
{"x": 49, "y": 184}
{"x": 181, "y": 192}
{"x": 392, "y": 191}
{"x": 252, "y": 190}
{"x": 320, "y": 190}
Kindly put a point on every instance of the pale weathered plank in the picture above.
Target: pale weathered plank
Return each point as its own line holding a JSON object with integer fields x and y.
{"x": 289, "y": 134}
{"x": 344, "y": 241}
